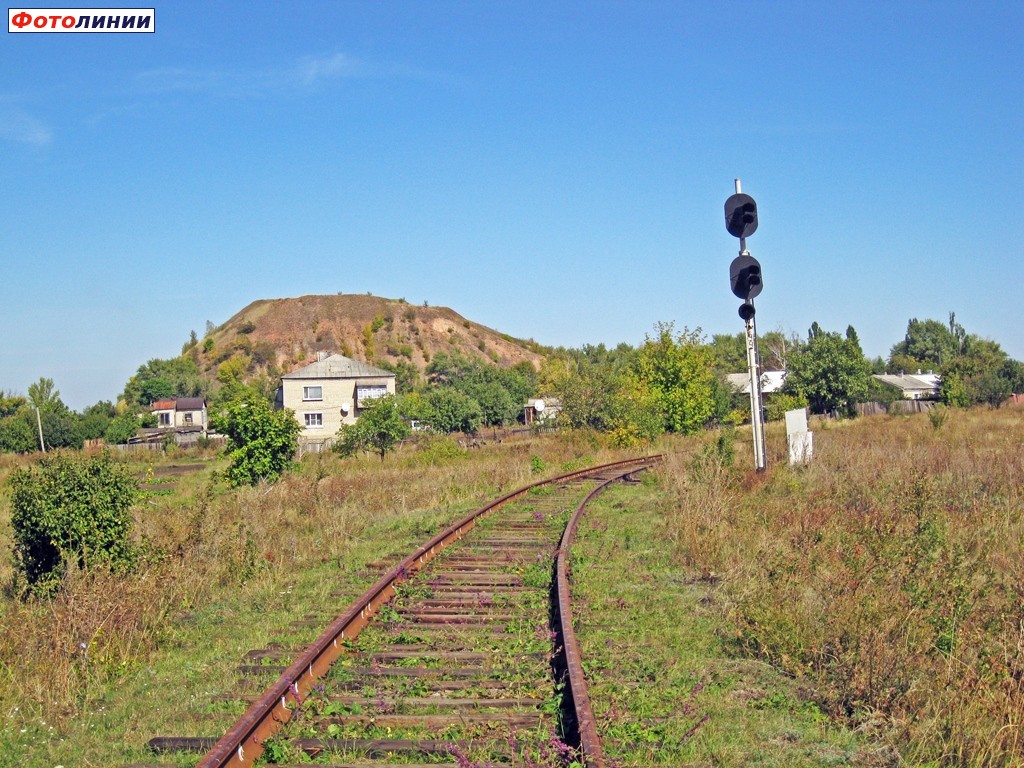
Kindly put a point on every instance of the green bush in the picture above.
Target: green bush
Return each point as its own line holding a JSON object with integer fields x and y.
{"x": 261, "y": 441}
{"x": 122, "y": 428}
{"x": 71, "y": 508}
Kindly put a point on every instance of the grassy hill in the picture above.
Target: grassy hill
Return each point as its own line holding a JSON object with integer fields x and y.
{"x": 274, "y": 336}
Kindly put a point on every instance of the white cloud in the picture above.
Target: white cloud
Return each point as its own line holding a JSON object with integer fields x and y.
{"x": 306, "y": 72}
{"x": 18, "y": 125}
{"x": 314, "y": 69}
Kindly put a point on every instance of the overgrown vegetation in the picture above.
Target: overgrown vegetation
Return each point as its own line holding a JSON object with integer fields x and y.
{"x": 378, "y": 429}
{"x": 887, "y": 575}
{"x": 885, "y": 578}
{"x": 116, "y": 658}
{"x": 70, "y": 510}
{"x": 261, "y": 441}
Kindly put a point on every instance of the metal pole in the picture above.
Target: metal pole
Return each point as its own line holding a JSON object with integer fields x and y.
{"x": 743, "y": 240}
{"x": 756, "y": 414}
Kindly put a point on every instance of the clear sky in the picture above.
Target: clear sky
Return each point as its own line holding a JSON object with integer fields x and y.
{"x": 554, "y": 170}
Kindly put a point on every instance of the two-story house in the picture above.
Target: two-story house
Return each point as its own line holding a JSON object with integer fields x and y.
{"x": 331, "y": 392}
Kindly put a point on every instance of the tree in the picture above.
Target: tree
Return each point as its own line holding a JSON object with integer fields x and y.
{"x": 95, "y": 420}
{"x": 634, "y": 417}
{"x": 44, "y": 396}
{"x": 680, "y": 371}
{"x": 18, "y": 433}
{"x": 379, "y": 428}
{"x": 61, "y": 428}
{"x": 453, "y": 411}
{"x": 730, "y": 352}
{"x": 261, "y": 441}
{"x": 122, "y": 429}
{"x": 830, "y": 372}
{"x": 71, "y": 509}
{"x": 407, "y": 375}
{"x": 163, "y": 378}
{"x": 586, "y": 396}
{"x": 11, "y": 403}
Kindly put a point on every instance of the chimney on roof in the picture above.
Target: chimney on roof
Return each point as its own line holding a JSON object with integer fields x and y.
{"x": 322, "y": 355}
{"x": 918, "y": 371}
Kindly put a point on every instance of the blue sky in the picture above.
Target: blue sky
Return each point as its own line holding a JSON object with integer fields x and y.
{"x": 554, "y": 170}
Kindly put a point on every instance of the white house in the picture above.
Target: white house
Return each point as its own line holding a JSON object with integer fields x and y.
{"x": 537, "y": 410}
{"x": 181, "y": 413}
{"x": 920, "y": 386}
{"x": 331, "y": 392}
{"x": 771, "y": 381}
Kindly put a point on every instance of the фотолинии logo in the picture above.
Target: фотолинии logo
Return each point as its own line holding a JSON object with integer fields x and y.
{"x": 81, "y": 19}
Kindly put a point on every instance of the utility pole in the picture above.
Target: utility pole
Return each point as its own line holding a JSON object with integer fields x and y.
{"x": 39, "y": 423}
{"x": 745, "y": 281}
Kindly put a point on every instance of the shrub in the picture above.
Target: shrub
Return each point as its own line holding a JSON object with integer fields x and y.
{"x": 122, "y": 428}
{"x": 261, "y": 441}
{"x": 71, "y": 508}
{"x": 779, "y": 403}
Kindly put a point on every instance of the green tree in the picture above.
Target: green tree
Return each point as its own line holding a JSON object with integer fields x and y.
{"x": 11, "y": 403}
{"x": 122, "y": 428}
{"x": 379, "y": 428}
{"x": 634, "y": 417}
{"x": 680, "y": 371}
{"x": 730, "y": 351}
{"x": 261, "y": 441}
{"x": 927, "y": 344}
{"x": 407, "y": 375}
{"x": 95, "y": 420}
{"x": 61, "y": 428}
{"x": 44, "y": 396}
{"x": 586, "y": 395}
{"x": 830, "y": 372}
{"x": 18, "y": 433}
{"x": 151, "y": 381}
{"x": 71, "y": 509}
{"x": 453, "y": 411}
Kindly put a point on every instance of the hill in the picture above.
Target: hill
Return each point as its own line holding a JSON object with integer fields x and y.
{"x": 274, "y": 336}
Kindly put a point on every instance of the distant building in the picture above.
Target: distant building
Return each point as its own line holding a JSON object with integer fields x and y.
{"x": 539, "y": 410}
{"x": 771, "y": 381}
{"x": 331, "y": 392}
{"x": 181, "y": 413}
{"x": 919, "y": 386}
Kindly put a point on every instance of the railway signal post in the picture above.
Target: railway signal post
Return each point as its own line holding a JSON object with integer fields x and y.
{"x": 745, "y": 281}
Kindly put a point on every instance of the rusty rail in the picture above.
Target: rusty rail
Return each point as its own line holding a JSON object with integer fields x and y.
{"x": 590, "y": 744}
{"x": 243, "y": 742}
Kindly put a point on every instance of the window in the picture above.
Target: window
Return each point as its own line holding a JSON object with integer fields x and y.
{"x": 314, "y": 420}
{"x": 312, "y": 393}
{"x": 188, "y": 417}
{"x": 369, "y": 392}
{"x": 165, "y": 420}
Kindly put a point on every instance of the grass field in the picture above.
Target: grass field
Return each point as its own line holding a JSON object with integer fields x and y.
{"x": 864, "y": 610}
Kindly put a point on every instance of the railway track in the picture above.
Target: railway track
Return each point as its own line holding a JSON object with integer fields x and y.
{"x": 470, "y": 657}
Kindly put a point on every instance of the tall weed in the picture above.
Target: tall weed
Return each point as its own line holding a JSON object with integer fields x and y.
{"x": 888, "y": 572}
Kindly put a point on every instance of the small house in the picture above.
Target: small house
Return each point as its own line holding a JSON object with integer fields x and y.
{"x": 181, "y": 413}
{"x": 919, "y": 386}
{"x": 771, "y": 381}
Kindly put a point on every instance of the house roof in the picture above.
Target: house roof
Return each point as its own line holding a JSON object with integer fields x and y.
{"x": 163, "y": 405}
{"x": 337, "y": 367}
{"x": 924, "y": 382}
{"x": 771, "y": 381}
{"x": 190, "y": 403}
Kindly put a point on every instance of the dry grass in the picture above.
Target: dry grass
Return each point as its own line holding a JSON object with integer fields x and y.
{"x": 204, "y": 541}
{"x": 890, "y": 573}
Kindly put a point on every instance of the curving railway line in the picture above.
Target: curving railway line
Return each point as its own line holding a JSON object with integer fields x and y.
{"x": 462, "y": 653}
